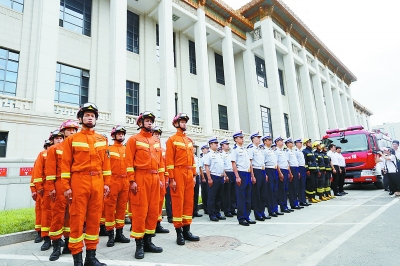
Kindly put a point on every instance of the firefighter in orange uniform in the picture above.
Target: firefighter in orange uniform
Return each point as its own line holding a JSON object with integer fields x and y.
{"x": 40, "y": 171}
{"x": 115, "y": 203}
{"x": 182, "y": 177}
{"x": 60, "y": 216}
{"x": 34, "y": 185}
{"x": 85, "y": 175}
{"x": 144, "y": 168}
{"x": 157, "y": 132}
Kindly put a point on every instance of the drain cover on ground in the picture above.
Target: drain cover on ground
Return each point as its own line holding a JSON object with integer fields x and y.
{"x": 214, "y": 243}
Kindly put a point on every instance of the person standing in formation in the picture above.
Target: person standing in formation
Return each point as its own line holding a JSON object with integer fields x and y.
{"x": 302, "y": 171}
{"x": 229, "y": 190}
{"x": 321, "y": 167}
{"x": 204, "y": 184}
{"x": 285, "y": 176}
{"x": 328, "y": 173}
{"x": 342, "y": 166}
{"x": 294, "y": 170}
{"x": 312, "y": 171}
{"x": 197, "y": 185}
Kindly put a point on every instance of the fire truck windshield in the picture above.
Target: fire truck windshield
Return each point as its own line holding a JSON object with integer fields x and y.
{"x": 350, "y": 143}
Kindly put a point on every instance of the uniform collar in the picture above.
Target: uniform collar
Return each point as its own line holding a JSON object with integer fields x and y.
{"x": 87, "y": 131}
{"x": 117, "y": 143}
{"x": 145, "y": 133}
{"x": 180, "y": 132}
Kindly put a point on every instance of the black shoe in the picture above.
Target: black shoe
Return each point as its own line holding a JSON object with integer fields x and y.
{"x": 297, "y": 207}
{"x": 187, "y": 235}
{"x": 78, "y": 259}
{"x": 127, "y": 220}
{"x": 251, "y": 222}
{"x": 228, "y": 214}
{"x": 38, "y": 238}
{"x": 266, "y": 217}
{"x": 279, "y": 213}
{"x": 221, "y": 217}
{"x": 262, "y": 219}
{"x": 390, "y": 193}
{"x": 338, "y": 194}
{"x": 139, "y": 253}
{"x": 196, "y": 214}
{"x": 386, "y": 189}
{"x": 119, "y": 237}
{"x": 291, "y": 210}
{"x": 179, "y": 237}
{"x": 304, "y": 204}
{"x": 160, "y": 229}
{"x": 273, "y": 214}
{"x": 55, "y": 255}
{"x": 286, "y": 211}
{"x": 243, "y": 222}
{"x": 66, "y": 248}
{"x": 111, "y": 240}
{"x": 169, "y": 220}
{"x": 103, "y": 231}
{"x": 214, "y": 219}
{"x": 91, "y": 259}
{"x": 344, "y": 193}
{"x": 47, "y": 243}
{"x": 233, "y": 212}
{"x": 149, "y": 246}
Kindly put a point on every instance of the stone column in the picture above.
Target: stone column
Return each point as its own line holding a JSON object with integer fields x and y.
{"x": 330, "y": 106}
{"x": 271, "y": 67}
{"x": 338, "y": 103}
{"x": 167, "y": 75}
{"x": 203, "y": 77}
{"x": 292, "y": 90}
{"x": 230, "y": 80}
{"x": 117, "y": 63}
{"x": 352, "y": 111}
{"x": 346, "y": 112}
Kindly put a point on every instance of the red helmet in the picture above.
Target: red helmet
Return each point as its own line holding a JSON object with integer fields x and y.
{"x": 87, "y": 107}
{"x": 178, "y": 117}
{"x": 69, "y": 124}
{"x": 143, "y": 116}
{"x": 56, "y": 133}
{"x": 116, "y": 129}
{"x": 158, "y": 130}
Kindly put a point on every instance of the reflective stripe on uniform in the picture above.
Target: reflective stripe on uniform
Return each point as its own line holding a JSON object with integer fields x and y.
{"x": 149, "y": 232}
{"x": 161, "y": 170}
{"x": 130, "y": 169}
{"x": 186, "y": 217}
{"x": 91, "y": 237}
{"x": 65, "y": 175}
{"x": 139, "y": 143}
{"x": 76, "y": 240}
{"x": 134, "y": 234}
{"x": 67, "y": 229}
{"x": 160, "y": 217}
{"x": 310, "y": 192}
{"x": 177, "y": 219}
{"x": 110, "y": 223}
{"x": 190, "y": 145}
{"x": 45, "y": 229}
{"x": 170, "y": 167}
{"x": 31, "y": 184}
{"x": 100, "y": 144}
{"x": 56, "y": 233}
{"x": 37, "y": 180}
{"x": 116, "y": 154}
{"x": 37, "y": 226}
{"x": 59, "y": 152}
{"x": 118, "y": 221}
{"x": 80, "y": 144}
{"x": 103, "y": 220}
{"x": 177, "y": 143}
{"x": 107, "y": 172}
{"x": 157, "y": 145}
{"x": 50, "y": 177}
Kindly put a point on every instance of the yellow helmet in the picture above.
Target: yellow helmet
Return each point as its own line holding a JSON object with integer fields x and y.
{"x": 305, "y": 140}
{"x": 316, "y": 143}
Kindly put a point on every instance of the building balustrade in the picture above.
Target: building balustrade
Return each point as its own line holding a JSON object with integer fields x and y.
{"x": 15, "y": 102}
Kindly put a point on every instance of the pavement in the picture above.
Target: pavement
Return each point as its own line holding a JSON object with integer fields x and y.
{"x": 361, "y": 227}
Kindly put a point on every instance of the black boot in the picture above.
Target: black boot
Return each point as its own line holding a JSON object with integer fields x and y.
{"x": 38, "y": 238}
{"x": 47, "y": 243}
{"x": 56, "y": 250}
{"x": 149, "y": 246}
{"x": 110, "y": 242}
{"x": 91, "y": 259}
{"x": 78, "y": 259}
{"x": 127, "y": 220}
{"x": 103, "y": 231}
{"x": 62, "y": 243}
{"x": 188, "y": 235}
{"x": 119, "y": 237}
{"x": 160, "y": 229}
{"x": 139, "y": 253}
{"x": 179, "y": 237}
{"x": 66, "y": 248}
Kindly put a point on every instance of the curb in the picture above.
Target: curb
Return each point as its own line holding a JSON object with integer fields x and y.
{"x": 17, "y": 237}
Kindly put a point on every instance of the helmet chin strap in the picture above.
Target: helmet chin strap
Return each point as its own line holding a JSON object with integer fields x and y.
{"x": 89, "y": 126}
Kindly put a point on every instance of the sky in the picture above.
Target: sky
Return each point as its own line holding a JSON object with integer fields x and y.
{"x": 365, "y": 36}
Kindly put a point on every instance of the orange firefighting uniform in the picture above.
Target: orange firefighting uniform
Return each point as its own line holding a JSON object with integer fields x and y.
{"x": 38, "y": 213}
{"x": 115, "y": 203}
{"x": 144, "y": 166}
{"x": 181, "y": 167}
{"x": 60, "y": 216}
{"x": 163, "y": 190}
{"x": 39, "y": 177}
{"x": 85, "y": 169}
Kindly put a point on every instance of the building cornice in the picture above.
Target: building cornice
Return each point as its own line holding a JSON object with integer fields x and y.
{"x": 362, "y": 108}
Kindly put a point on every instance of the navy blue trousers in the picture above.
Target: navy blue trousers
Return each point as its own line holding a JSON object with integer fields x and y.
{"x": 259, "y": 193}
{"x": 293, "y": 187}
{"x": 283, "y": 187}
{"x": 229, "y": 194}
{"x": 272, "y": 190}
{"x": 243, "y": 196}
{"x": 215, "y": 196}
{"x": 302, "y": 184}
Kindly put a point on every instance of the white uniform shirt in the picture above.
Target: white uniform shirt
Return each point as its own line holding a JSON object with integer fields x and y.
{"x": 257, "y": 157}
{"x": 282, "y": 158}
{"x": 241, "y": 157}
{"x": 291, "y": 156}
{"x": 227, "y": 161}
{"x": 300, "y": 156}
{"x": 398, "y": 153}
{"x": 215, "y": 163}
{"x": 270, "y": 158}
{"x": 341, "y": 160}
{"x": 197, "y": 161}
{"x": 390, "y": 165}
{"x": 334, "y": 158}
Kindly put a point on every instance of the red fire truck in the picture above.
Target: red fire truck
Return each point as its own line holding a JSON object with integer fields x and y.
{"x": 358, "y": 147}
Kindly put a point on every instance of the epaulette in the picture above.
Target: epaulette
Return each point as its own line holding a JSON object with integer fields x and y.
{"x": 234, "y": 146}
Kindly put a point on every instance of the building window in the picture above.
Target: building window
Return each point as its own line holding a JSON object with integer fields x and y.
{"x": 3, "y": 144}
{"x": 281, "y": 81}
{"x": 76, "y": 15}
{"x": 176, "y": 103}
{"x": 132, "y": 33}
{"x": 8, "y": 72}
{"x": 157, "y": 44}
{"x": 72, "y": 85}
{"x": 266, "y": 120}
{"x": 195, "y": 111}
{"x": 158, "y": 103}
{"x": 260, "y": 72}
{"x": 219, "y": 69}
{"x": 192, "y": 57}
{"x": 223, "y": 117}
{"x": 286, "y": 118}
{"x": 17, "y": 5}
{"x": 132, "y": 98}
{"x": 173, "y": 39}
